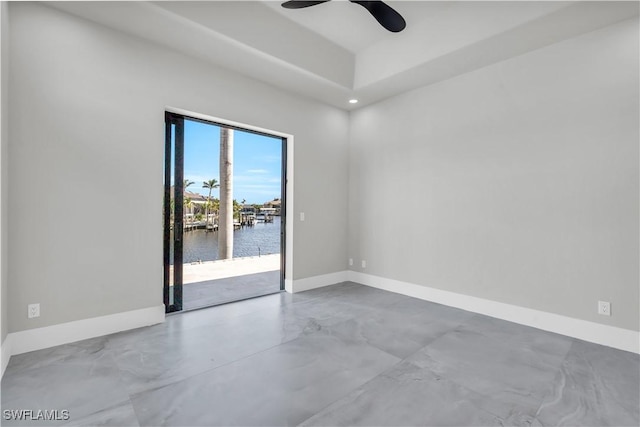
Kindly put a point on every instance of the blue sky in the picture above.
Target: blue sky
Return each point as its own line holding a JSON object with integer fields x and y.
{"x": 256, "y": 162}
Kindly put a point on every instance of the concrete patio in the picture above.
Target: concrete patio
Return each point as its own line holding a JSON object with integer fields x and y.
{"x": 216, "y": 282}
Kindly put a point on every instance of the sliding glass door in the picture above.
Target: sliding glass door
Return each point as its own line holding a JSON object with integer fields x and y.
{"x": 224, "y": 213}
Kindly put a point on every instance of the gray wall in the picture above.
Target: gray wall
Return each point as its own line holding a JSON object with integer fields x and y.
{"x": 516, "y": 183}
{"x": 4, "y": 138}
{"x": 86, "y": 151}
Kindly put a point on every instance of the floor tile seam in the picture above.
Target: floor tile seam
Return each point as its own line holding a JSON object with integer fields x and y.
{"x": 368, "y": 308}
{"x": 370, "y": 344}
{"x": 135, "y": 413}
{"x": 528, "y": 327}
{"x": 452, "y": 380}
{"x": 308, "y": 299}
{"x": 119, "y": 403}
{"x": 427, "y": 302}
{"x": 10, "y": 372}
{"x": 57, "y": 361}
{"x": 326, "y": 294}
{"x": 399, "y": 298}
{"x": 348, "y": 317}
{"x": 352, "y": 390}
{"x": 439, "y": 336}
{"x": 122, "y": 383}
{"x": 461, "y": 327}
{"x": 301, "y": 317}
{"x": 206, "y": 371}
{"x": 305, "y": 300}
{"x": 217, "y": 322}
{"x": 114, "y": 346}
{"x": 469, "y": 390}
{"x": 324, "y": 288}
{"x": 230, "y": 323}
{"x": 390, "y": 368}
{"x": 557, "y": 368}
{"x": 331, "y": 329}
{"x": 189, "y": 328}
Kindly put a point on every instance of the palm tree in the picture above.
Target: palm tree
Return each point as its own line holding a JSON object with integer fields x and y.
{"x": 242, "y": 210}
{"x": 187, "y": 204}
{"x": 186, "y": 201}
{"x": 215, "y": 206}
{"x": 236, "y": 209}
{"x": 225, "y": 230}
{"x": 211, "y": 184}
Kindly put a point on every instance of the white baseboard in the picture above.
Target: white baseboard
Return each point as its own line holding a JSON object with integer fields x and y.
{"x": 5, "y": 354}
{"x": 309, "y": 283}
{"x": 64, "y": 333}
{"x": 611, "y": 336}
{"x": 288, "y": 285}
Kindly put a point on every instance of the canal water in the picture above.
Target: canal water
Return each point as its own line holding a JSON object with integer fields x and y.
{"x": 261, "y": 239}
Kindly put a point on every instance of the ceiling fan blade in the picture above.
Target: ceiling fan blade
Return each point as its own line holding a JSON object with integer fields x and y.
{"x": 384, "y": 14}
{"x": 299, "y": 4}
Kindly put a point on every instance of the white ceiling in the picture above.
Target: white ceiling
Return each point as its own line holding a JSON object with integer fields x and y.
{"x": 351, "y": 26}
{"x": 335, "y": 51}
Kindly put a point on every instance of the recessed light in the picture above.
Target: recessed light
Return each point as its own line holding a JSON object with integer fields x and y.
{"x": 353, "y": 101}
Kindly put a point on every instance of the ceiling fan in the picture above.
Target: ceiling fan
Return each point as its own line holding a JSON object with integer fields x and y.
{"x": 384, "y": 14}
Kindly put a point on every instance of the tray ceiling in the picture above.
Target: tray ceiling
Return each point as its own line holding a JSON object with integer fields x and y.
{"x": 336, "y": 51}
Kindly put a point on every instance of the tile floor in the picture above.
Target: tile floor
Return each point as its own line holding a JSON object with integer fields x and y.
{"x": 342, "y": 355}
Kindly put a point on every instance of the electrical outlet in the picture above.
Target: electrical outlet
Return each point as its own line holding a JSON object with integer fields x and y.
{"x": 350, "y": 261}
{"x": 604, "y": 308}
{"x": 33, "y": 310}
{"x": 364, "y": 264}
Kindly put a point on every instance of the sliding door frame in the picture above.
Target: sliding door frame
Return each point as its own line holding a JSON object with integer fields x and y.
{"x": 174, "y": 149}
{"x": 283, "y": 212}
